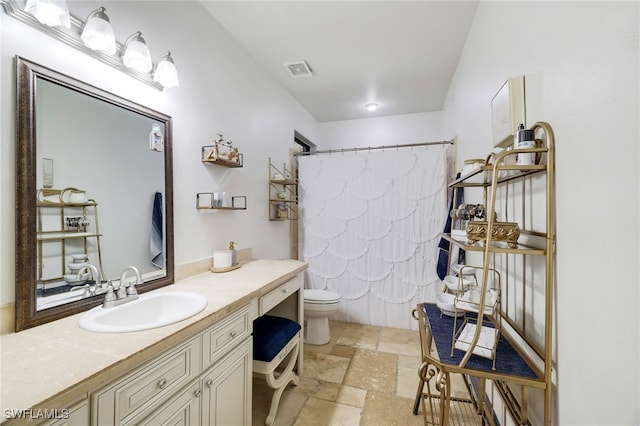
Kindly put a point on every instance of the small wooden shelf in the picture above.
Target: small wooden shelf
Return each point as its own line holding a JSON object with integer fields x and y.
{"x": 219, "y": 161}
{"x": 204, "y": 201}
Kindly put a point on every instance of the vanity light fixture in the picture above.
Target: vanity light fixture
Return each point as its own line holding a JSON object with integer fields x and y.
{"x": 95, "y": 38}
{"x": 136, "y": 54}
{"x": 97, "y": 33}
{"x": 165, "y": 71}
{"x": 371, "y": 106}
{"x": 53, "y": 13}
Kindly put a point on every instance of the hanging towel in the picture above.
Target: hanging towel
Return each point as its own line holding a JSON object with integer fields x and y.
{"x": 157, "y": 240}
{"x": 444, "y": 245}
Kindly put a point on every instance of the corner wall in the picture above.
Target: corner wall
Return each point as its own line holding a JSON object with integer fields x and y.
{"x": 581, "y": 67}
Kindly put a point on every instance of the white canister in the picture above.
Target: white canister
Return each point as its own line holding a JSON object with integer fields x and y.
{"x": 222, "y": 259}
{"x": 525, "y": 139}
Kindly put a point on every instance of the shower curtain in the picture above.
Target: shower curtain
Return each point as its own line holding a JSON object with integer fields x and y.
{"x": 369, "y": 229}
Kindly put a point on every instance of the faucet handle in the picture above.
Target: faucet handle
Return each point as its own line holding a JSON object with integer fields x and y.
{"x": 111, "y": 295}
{"x": 122, "y": 291}
{"x": 131, "y": 289}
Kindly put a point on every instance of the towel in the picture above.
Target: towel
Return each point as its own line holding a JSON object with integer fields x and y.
{"x": 157, "y": 240}
{"x": 444, "y": 245}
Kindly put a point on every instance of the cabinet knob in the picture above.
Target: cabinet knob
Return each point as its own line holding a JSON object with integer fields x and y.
{"x": 197, "y": 393}
{"x": 209, "y": 383}
{"x": 232, "y": 334}
{"x": 162, "y": 383}
{"x": 284, "y": 290}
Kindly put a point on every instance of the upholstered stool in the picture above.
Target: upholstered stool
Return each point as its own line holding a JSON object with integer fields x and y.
{"x": 274, "y": 338}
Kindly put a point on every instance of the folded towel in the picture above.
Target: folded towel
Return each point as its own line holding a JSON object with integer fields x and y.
{"x": 157, "y": 240}
{"x": 444, "y": 245}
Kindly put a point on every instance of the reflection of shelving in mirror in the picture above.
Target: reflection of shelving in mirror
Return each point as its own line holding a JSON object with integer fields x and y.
{"x": 65, "y": 230}
{"x": 209, "y": 201}
{"x": 283, "y": 193}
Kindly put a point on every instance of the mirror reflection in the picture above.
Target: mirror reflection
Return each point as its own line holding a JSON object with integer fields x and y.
{"x": 94, "y": 195}
{"x": 104, "y": 168}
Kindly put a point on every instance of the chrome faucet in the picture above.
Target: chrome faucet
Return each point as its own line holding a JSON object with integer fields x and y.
{"x": 130, "y": 289}
{"x": 125, "y": 292}
{"x": 97, "y": 278}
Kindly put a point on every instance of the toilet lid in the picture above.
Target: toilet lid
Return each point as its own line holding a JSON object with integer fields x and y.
{"x": 320, "y": 296}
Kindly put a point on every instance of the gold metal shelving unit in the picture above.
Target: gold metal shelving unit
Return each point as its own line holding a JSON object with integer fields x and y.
{"x": 283, "y": 194}
{"x": 523, "y": 358}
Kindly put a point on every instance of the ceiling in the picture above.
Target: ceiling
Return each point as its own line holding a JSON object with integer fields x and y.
{"x": 401, "y": 55}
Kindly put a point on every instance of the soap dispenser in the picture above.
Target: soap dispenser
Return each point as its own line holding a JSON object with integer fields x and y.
{"x": 234, "y": 254}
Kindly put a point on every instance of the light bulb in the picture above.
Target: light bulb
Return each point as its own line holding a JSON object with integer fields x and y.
{"x": 53, "y": 13}
{"x": 166, "y": 72}
{"x": 136, "y": 54}
{"x": 98, "y": 33}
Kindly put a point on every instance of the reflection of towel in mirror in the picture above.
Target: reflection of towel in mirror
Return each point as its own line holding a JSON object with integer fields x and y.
{"x": 157, "y": 240}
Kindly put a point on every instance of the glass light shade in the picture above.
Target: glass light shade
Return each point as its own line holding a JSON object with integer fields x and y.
{"x": 97, "y": 33}
{"x": 166, "y": 72}
{"x": 53, "y": 13}
{"x": 136, "y": 54}
{"x": 371, "y": 106}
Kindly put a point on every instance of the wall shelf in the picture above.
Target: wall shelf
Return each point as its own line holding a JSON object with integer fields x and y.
{"x": 213, "y": 154}
{"x": 205, "y": 201}
{"x": 283, "y": 194}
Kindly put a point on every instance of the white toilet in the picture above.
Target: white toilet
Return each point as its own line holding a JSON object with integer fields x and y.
{"x": 319, "y": 305}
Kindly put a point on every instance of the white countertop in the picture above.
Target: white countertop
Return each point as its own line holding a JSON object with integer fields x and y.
{"x": 43, "y": 363}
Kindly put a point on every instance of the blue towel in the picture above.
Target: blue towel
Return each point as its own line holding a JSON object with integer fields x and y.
{"x": 157, "y": 240}
{"x": 444, "y": 245}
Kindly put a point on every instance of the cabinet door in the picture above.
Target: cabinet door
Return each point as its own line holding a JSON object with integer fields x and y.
{"x": 146, "y": 387}
{"x": 76, "y": 415}
{"x": 183, "y": 409}
{"x": 226, "y": 388}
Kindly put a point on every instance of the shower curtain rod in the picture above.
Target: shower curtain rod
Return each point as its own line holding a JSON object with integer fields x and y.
{"x": 371, "y": 148}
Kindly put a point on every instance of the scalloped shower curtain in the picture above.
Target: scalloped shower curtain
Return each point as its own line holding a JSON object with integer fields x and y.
{"x": 370, "y": 225}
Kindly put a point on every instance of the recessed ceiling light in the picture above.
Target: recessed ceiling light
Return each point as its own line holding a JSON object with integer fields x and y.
{"x": 371, "y": 106}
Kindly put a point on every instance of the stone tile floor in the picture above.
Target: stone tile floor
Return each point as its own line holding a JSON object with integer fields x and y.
{"x": 366, "y": 375}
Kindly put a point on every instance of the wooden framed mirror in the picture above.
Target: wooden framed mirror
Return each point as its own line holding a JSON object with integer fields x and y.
{"x": 93, "y": 177}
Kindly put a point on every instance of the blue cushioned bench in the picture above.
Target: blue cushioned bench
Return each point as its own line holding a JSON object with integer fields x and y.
{"x": 274, "y": 338}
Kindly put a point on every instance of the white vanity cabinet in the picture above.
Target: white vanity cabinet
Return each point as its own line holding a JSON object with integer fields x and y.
{"x": 77, "y": 414}
{"x": 205, "y": 380}
{"x": 226, "y": 388}
{"x": 143, "y": 390}
{"x": 198, "y": 372}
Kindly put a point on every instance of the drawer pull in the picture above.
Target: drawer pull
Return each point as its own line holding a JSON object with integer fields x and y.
{"x": 284, "y": 290}
{"x": 162, "y": 383}
{"x": 209, "y": 383}
{"x": 232, "y": 334}
{"x": 197, "y": 393}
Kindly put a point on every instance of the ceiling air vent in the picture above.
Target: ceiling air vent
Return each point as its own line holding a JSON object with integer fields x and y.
{"x": 298, "y": 69}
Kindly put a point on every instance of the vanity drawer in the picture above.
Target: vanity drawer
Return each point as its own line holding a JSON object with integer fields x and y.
{"x": 275, "y": 296}
{"x": 226, "y": 334}
{"x": 148, "y": 385}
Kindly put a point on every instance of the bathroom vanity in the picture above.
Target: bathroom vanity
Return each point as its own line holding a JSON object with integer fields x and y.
{"x": 198, "y": 370}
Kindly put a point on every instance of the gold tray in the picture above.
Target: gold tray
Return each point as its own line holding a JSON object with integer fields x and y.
{"x": 230, "y": 268}
{"x": 508, "y": 232}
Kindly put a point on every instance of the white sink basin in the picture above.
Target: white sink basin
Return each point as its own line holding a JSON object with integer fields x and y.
{"x": 151, "y": 310}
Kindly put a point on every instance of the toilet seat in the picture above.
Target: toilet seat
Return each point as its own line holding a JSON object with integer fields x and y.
{"x": 320, "y": 297}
